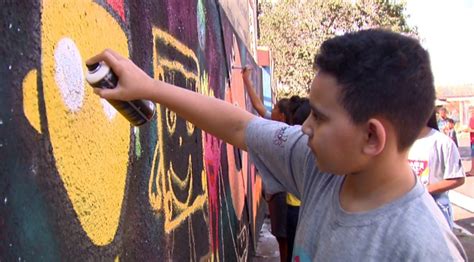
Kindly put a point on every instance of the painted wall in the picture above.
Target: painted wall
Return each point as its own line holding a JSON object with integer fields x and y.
{"x": 241, "y": 14}
{"x": 264, "y": 60}
{"x": 77, "y": 182}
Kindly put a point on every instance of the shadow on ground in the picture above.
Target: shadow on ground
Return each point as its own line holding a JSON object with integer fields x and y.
{"x": 465, "y": 236}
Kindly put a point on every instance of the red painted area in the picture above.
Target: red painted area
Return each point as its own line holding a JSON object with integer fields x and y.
{"x": 212, "y": 160}
{"x": 118, "y": 5}
{"x": 256, "y": 192}
{"x": 263, "y": 56}
{"x": 237, "y": 178}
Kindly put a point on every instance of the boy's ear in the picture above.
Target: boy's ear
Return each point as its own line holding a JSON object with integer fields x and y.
{"x": 375, "y": 137}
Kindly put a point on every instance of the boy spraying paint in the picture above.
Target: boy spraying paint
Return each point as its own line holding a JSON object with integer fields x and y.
{"x": 372, "y": 93}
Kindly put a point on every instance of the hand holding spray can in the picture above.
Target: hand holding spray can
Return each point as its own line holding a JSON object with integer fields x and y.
{"x": 137, "y": 112}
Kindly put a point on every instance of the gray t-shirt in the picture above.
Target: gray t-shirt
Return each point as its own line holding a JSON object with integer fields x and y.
{"x": 411, "y": 228}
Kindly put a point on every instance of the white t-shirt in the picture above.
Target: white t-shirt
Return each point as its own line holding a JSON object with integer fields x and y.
{"x": 435, "y": 157}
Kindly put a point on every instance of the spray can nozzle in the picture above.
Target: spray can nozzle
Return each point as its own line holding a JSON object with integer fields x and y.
{"x": 138, "y": 112}
{"x": 92, "y": 67}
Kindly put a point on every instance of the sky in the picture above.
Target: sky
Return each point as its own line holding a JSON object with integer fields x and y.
{"x": 446, "y": 29}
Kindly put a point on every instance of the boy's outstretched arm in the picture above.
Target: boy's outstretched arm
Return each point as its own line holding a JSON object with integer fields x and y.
{"x": 256, "y": 101}
{"x": 212, "y": 115}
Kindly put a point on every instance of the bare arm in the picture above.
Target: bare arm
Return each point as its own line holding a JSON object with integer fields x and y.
{"x": 212, "y": 115}
{"x": 445, "y": 185}
{"x": 256, "y": 102}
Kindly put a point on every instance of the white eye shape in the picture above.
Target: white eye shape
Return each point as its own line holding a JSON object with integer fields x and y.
{"x": 69, "y": 77}
{"x": 68, "y": 74}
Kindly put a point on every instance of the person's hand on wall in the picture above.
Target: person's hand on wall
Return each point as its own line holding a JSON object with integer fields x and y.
{"x": 246, "y": 75}
{"x": 249, "y": 87}
{"x": 133, "y": 82}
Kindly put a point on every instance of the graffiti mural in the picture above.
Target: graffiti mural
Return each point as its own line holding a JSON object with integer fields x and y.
{"x": 80, "y": 183}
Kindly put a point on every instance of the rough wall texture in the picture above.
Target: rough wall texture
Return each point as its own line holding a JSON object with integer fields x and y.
{"x": 77, "y": 182}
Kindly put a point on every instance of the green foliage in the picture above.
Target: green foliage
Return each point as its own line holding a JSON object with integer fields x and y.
{"x": 294, "y": 30}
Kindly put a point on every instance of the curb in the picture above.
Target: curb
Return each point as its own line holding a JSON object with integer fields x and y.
{"x": 461, "y": 231}
{"x": 462, "y": 201}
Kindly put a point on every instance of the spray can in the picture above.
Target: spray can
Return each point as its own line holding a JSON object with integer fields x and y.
{"x": 137, "y": 112}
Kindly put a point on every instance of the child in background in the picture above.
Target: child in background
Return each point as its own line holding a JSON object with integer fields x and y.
{"x": 300, "y": 110}
{"x": 442, "y": 118}
{"x": 435, "y": 159}
{"x": 360, "y": 201}
{"x": 276, "y": 201}
{"x": 451, "y": 132}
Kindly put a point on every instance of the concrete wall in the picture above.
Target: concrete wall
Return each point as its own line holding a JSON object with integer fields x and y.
{"x": 77, "y": 182}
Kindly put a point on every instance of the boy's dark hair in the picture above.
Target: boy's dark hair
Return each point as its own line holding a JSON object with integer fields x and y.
{"x": 300, "y": 109}
{"x": 382, "y": 74}
{"x": 450, "y": 120}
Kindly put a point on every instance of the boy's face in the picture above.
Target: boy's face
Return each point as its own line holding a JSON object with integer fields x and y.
{"x": 332, "y": 136}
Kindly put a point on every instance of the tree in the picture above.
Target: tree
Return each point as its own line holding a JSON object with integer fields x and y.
{"x": 294, "y": 30}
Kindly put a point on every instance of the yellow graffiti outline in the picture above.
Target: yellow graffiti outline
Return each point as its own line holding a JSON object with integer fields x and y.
{"x": 165, "y": 199}
{"x": 181, "y": 183}
{"x": 176, "y": 66}
{"x": 170, "y": 120}
{"x": 189, "y": 128}
{"x": 168, "y": 39}
{"x": 155, "y": 200}
{"x": 30, "y": 93}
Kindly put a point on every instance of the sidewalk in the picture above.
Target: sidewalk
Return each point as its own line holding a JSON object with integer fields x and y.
{"x": 464, "y": 229}
{"x": 267, "y": 246}
{"x": 462, "y": 199}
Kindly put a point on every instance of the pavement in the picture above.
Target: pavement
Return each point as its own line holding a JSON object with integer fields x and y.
{"x": 462, "y": 199}
{"x": 267, "y": 246}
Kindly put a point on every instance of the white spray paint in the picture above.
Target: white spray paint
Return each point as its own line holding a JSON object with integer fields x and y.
{"x": 109, "y": 110}
{"x": 69, "y": 75}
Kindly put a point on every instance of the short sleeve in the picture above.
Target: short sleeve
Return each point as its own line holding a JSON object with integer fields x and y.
{"x": 280, "y": 153}
{"x": 452, "y": 161}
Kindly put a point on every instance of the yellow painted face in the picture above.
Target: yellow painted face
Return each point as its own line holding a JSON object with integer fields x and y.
{"x": 166, "y": 183}
{"x": 90, "y": 139}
